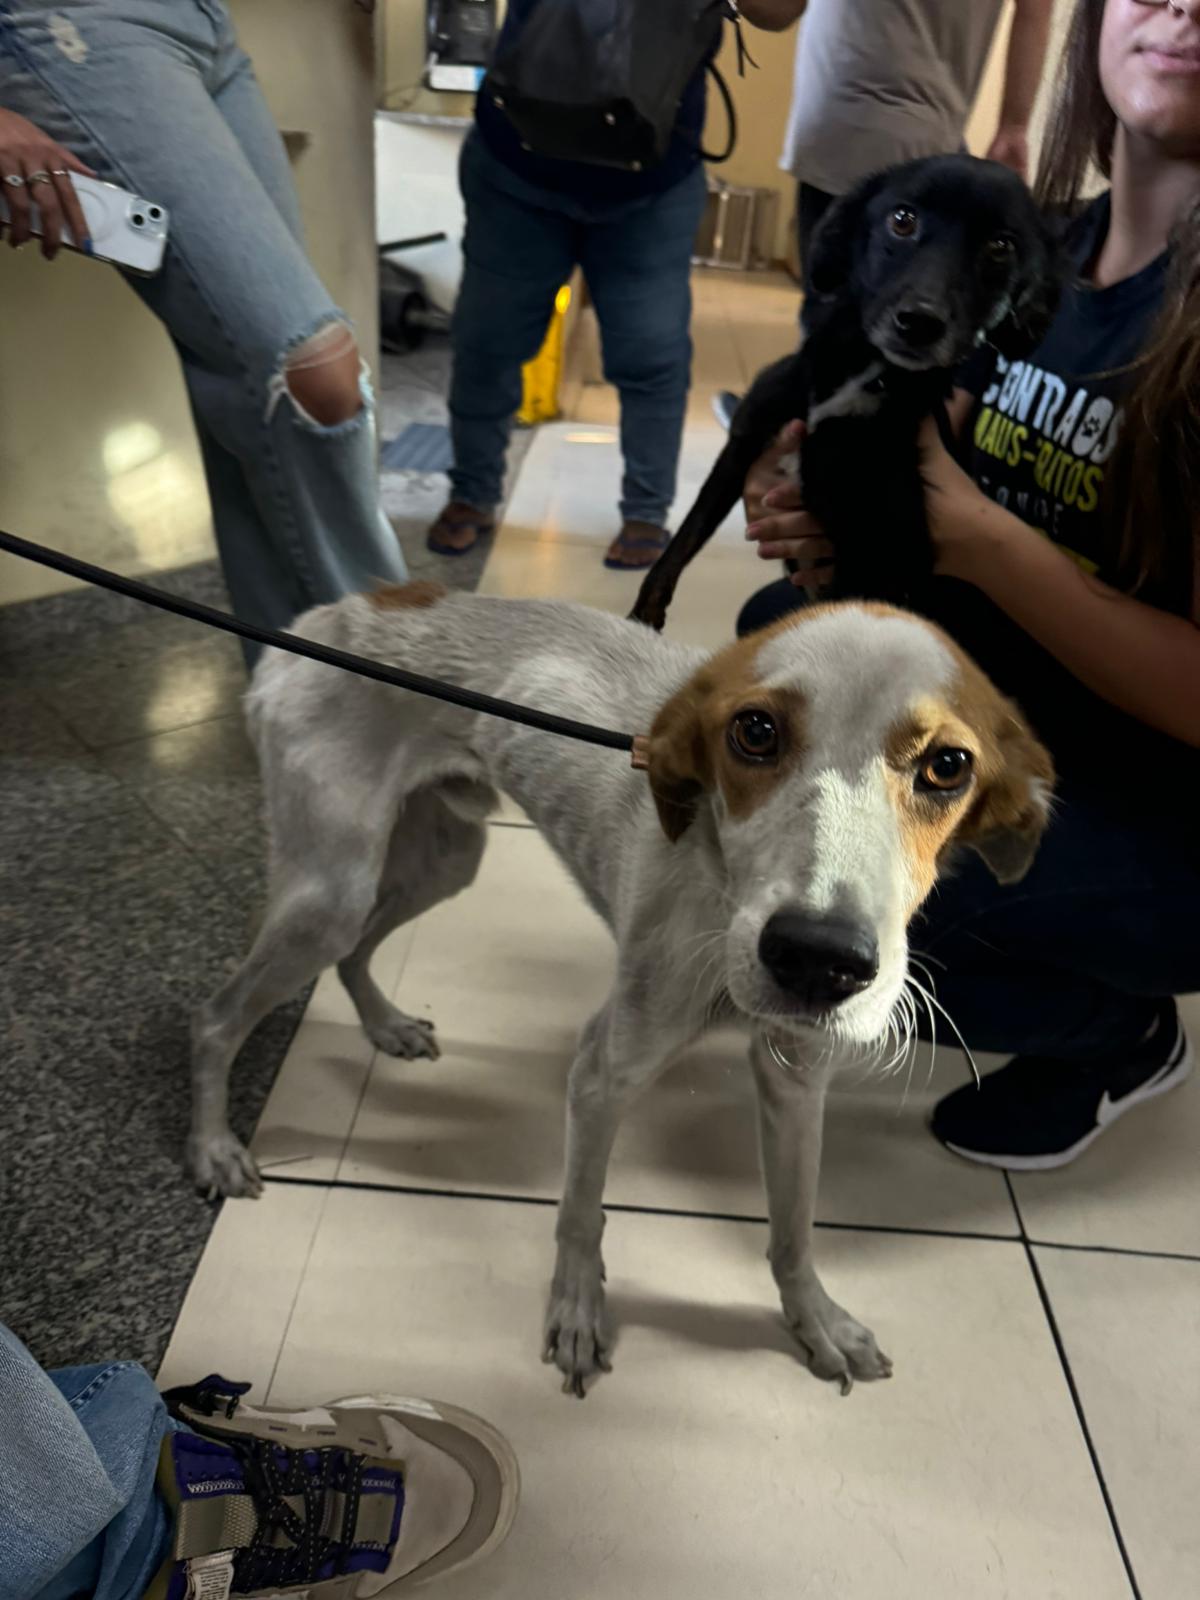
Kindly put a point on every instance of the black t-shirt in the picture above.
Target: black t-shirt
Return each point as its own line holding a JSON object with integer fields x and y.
{"x": 1043, "y": 429}
{"x": 1038, "y": 441}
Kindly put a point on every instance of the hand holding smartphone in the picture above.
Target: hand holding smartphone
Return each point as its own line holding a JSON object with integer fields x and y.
{"x": 47, "y": 192}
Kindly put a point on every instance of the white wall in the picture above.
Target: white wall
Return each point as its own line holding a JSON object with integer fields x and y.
{"x": 416, "y": 193}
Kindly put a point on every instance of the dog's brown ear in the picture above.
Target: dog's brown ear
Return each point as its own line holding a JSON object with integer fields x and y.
{"x": 677, "y": 760}
{"x": 1006, "y": 823}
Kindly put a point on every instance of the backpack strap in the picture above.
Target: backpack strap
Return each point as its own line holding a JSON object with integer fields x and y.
{"x": 743, "y": 55}
{"x": 730, "y": 115}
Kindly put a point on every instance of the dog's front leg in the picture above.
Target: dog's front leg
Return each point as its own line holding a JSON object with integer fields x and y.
{"x": 621, "y": 1052}
{"x": 791, "y": 1108}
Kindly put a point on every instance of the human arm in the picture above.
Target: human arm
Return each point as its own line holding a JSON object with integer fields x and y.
{"x": 773, "y": 16}
{"x": 1022, "y": 74}
{"x": 24, "y": 151}
{"x": 1138, "y": 658}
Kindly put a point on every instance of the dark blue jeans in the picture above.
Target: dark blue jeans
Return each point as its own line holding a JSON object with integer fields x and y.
{"x": 1073, "y": 961}
{"x": 521, "y": 245}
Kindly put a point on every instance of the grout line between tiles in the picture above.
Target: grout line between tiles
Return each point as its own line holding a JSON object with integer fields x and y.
{"x": 1073, "y": 1388}
{"x": 300, "y": 1277}
{"x": 232, "y": 715}
{"x": 1114, "y": 1250}
{"x": 367, "y": 1186}
{"x": 393, "y": 991}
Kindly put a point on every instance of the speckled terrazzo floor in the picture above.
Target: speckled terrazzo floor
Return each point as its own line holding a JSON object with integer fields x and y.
{"x": 130, "y": 876}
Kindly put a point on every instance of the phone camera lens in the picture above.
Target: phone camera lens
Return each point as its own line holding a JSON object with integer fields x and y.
{"x": 138, "y": 220}
{"x": 155, "y": 213}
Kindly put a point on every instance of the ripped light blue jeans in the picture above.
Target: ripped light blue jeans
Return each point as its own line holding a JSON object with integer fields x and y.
{"x": 157, "y": 95}
{"x": 79, "y": 1514}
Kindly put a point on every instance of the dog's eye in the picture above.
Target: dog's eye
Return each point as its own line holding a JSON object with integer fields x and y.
{"x": 903, "y": 222}
{"x": 945, "y": 771}
{"x": 1001, "y": 248}
{"x": 754, "y": 736}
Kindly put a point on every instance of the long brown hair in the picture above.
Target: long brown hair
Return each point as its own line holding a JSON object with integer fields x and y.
{"x": 1152, "y": 486}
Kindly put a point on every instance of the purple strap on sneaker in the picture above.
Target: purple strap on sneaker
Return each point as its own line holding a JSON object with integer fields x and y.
{"x": 288, "y": 1516}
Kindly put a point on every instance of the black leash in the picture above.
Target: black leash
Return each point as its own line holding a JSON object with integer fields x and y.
{"x": 488, "y": 704}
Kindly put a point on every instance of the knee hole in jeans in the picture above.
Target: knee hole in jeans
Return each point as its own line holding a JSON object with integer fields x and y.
{"x": 323, "y": 377}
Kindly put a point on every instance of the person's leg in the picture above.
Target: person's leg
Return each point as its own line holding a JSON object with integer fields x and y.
{"x": 78, "y": 1456}
{"x": 638, "y": 264}
{"x": 1070, "y": 972}
{"x": 811, "y": 206}
{"x": 272, "y": 371}
{"x": 518, "y": 251}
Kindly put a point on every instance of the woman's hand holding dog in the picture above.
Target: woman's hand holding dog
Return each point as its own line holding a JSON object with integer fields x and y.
{"x": 964, "y": 525}
{"x": 776, "y": 518}
{"x": 966, "y": 528}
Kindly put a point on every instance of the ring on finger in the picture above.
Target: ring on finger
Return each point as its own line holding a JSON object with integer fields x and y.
{"x": 35, "y": 178}
{"x": 14, "y": 180}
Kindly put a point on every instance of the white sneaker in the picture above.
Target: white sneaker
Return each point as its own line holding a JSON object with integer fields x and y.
{"x": 365, "y": 1496}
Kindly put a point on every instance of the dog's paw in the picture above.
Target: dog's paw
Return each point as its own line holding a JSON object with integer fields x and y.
{"x": 838, "y": 1347}
{"x": 577, "y": 1338}
{"x": 221, "y": 1165}
{"x": 397, "y": 1034}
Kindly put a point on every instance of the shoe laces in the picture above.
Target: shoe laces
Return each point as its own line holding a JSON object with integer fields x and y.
{"x": 276, "y": 1475}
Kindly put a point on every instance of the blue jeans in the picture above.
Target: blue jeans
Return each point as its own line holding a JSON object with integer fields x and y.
{"x": 79, "y": 1514}
{"x": 521, "y": 245}
{"x": 157, "y": 96}
{"x": 1074, "y": 961}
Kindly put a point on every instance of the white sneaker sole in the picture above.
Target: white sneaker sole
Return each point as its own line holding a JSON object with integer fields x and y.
{"x": 1171, "y": 1078}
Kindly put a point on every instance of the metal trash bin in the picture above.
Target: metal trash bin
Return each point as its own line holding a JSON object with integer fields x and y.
{"x": 737, "y": 230}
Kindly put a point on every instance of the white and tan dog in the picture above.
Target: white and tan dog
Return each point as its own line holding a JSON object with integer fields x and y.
{"x": 804, "y": 787}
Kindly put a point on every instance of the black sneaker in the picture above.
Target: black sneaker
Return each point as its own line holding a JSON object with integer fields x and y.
{"x": 1036, "y": 1112}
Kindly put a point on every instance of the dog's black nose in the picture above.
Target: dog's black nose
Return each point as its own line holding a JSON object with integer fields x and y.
{"x": 920, "y": 325}
{"x": 821, "y": 960}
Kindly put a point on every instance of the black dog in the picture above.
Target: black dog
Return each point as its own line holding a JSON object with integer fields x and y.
{"x": 909, "y": 272}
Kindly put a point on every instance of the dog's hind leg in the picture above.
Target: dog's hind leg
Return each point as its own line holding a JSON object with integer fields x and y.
{"x": 434, "y": 853}
{"x": 791, "y": 1104}
{"x": 326, "y": 865}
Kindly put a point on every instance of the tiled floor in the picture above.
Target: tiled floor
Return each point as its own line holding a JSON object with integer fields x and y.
{"x": 1038, "y": 1439}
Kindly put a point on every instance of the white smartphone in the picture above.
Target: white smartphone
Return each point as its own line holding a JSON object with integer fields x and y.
{"x": 126, "y": 229}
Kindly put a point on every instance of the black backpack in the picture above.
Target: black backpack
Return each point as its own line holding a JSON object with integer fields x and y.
{"x": 600, "y": 81}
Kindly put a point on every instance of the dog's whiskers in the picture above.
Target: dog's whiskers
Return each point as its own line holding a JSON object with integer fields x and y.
{"x": 931, "y": 1000}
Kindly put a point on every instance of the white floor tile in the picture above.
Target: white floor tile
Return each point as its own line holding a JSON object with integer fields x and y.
{"x": 510, "y": 971}
{"x": 570, "y": 481}
{"x": 1131, "y": 1327}
{"x": 239, "y": 1303}
{"x": 1135, "y": 1189}
{"x": 710, "y": 1463}
{"x": 704, "y": 611}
